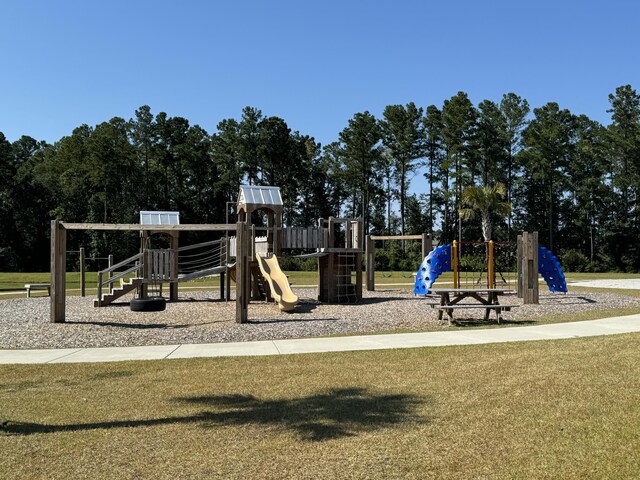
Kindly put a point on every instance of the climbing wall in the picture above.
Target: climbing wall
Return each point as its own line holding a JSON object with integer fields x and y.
{"x": 437, "y": 262}
{"x": 550, "y": 269}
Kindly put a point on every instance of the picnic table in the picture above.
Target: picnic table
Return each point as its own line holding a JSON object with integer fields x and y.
{"x": 485, "y": 298}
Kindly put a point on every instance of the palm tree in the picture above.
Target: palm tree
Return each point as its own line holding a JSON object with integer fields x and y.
{"x": 484, "y": 201}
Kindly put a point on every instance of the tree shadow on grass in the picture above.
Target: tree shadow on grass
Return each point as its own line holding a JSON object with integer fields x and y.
{"x": 475, "y": 322}
{"x": 340, "y": 412}
{"x": 334, "y": 414}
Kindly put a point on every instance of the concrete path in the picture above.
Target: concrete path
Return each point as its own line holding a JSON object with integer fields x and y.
{"x": 624, "y": 284}
{"x": 605, "y": 326}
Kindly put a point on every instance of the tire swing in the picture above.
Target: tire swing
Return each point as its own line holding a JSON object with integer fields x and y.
{"x": 151, "y": 304}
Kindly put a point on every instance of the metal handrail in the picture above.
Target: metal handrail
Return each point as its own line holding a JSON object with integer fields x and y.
{"x": 113, "y": 268}
{"x": 122, "y": 274}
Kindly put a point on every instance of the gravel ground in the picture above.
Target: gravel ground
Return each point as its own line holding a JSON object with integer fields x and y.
{"x": 199, "y": 318}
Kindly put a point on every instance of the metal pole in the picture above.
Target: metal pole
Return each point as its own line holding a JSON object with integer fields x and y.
{"x": 110, "y": 273}
{"x": 454, "y": 265}
{"x": 82, "y": 272}
{"x": 491, "y": 268}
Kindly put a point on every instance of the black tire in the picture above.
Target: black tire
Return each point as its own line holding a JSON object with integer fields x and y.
{"x": 153, "y": 304}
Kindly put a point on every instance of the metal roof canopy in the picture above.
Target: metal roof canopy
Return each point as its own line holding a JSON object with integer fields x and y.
{"x": 159, "y": 218}
{"x": 253, "y": 197}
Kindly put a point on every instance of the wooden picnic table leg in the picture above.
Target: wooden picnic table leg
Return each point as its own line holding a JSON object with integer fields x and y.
{"x": 450, "y": 311}
{"x": 493, "y": 299}
{"x": 441, "y": 304}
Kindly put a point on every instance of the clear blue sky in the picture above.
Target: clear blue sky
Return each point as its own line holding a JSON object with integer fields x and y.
{"x": 66, "y": 63}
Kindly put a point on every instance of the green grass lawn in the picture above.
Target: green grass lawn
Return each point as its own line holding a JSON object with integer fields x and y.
{"x": 552, "y": 409}
{"x": 15, "y": 281}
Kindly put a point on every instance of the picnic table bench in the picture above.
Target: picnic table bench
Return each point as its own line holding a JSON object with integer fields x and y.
{"x": 486, "y": 298}
{"x": 37, "y": 286}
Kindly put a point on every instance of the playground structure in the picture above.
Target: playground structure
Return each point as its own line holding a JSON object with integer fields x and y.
{"x": 151, "y": 267}
{"x": 531, "y": 259}
{"x": 339, "y": 254}
{"x": 338, "y": 251}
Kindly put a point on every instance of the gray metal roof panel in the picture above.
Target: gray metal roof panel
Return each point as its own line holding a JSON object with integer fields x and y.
{"x": 259, "y": 195}
{"x": 159, "y": 218}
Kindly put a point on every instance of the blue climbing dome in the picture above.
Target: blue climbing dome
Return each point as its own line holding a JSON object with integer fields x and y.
{"x": 550, "y": 269}
{"x": 437, "y": 262}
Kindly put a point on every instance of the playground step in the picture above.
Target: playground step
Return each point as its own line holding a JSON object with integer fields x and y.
{"x": 125, "y": 287}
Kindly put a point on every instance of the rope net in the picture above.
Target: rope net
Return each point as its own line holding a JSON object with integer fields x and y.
{"x": 474, "y": 265}
{"x": 345, "y": 288}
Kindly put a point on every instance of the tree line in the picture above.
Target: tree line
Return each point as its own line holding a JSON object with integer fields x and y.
{"x": 574, "y": 180}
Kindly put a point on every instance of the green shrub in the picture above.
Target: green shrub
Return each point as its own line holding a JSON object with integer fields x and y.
{"x": 574, "y": 261}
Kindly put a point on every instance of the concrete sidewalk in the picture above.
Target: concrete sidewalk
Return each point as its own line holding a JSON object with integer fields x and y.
{"x": 605, "y": 326}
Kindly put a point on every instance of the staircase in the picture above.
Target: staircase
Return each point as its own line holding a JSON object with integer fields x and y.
{"x": 125, "y": 287}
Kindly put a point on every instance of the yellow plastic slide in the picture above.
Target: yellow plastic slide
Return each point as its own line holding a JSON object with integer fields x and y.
{"x": 278, "y": 282}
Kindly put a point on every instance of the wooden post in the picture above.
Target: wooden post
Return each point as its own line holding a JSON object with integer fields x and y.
{"x": 58, "y": 271}
{"x": 110, "y": 264}
{"x": 426, "y": 245}
{"x": 519, "y": 266}
{"x": 347, "y": 235}
{"x": 173, "y": 286}
{"x": 277, "y": 234}
{"x": 358, "y": 238}
{"x": 228, "y": 275}
{"x": 330, "y": 240}
{"x": 454, "y": 265}
{"x": 530, "y": 293}
{"x": 491, "y": 267}
{"x": 243, "y": 275}
{"x": 358, "y": 276}
{"x": 143, "y": 290}
{"x": 371, "y": 264}
{"x": 82, "y": 272}
{"x": 270, "y": 231}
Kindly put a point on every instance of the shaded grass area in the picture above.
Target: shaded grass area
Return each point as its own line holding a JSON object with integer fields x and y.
{"x": 556, "y": 409}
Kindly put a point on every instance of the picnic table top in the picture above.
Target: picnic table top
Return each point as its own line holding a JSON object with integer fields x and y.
{"x": 467, "y": 290}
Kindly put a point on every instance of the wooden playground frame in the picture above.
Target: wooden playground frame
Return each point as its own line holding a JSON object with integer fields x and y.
{"x": 59, "y": 252}
{"x": 295, "y": 237}
{"x": 371, "y": 252}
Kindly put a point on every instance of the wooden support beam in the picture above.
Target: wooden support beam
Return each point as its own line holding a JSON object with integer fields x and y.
{"x": 58, "y": 271}
{"x": 358, "y": 257}
{"x": 156, "y": 228}
{"x": 427, "y": 245}
{"x": 82, "y": 272}
{"x": 396, "y": 237}
{"x": 174, "y": 245}
{"x": 529, "y": 262}
{"x": 243, "y": 275}
{"x": 371, "y": 261}
{"x": 520, "y": 288}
